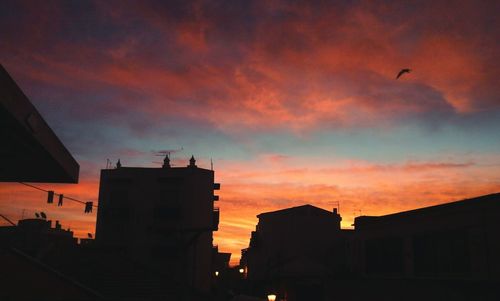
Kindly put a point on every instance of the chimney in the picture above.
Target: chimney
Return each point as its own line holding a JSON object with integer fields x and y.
{"x": 337, "y": 218}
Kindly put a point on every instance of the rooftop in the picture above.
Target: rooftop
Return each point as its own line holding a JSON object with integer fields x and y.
{"x": 466, "y": 204}
{"x": 30, "y": 152}
{"x": 298, "y": 209}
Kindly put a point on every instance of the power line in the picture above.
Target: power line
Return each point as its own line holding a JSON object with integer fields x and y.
{"x": 8, "y": 220}
{"x": 58, "y": 194}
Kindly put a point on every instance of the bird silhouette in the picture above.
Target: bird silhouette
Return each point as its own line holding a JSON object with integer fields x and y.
{"x": 403, "y": 71}
{"x": 37, "y": 215}
{"x": 43, "y": 215}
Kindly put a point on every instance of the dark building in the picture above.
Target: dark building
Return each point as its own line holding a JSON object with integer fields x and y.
{"x": 220, "y": 261}
{"x": 30, "y": 150}
{"x": 456, "y": 240}
{"x": 25, "y": 250}
{"x": 294, "y": 248}
{"x": 161, "y": 217}
{"x": 32, "y": 233}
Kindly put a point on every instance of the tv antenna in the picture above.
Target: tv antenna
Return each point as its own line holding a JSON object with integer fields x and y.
{"x": 166, "y": 152}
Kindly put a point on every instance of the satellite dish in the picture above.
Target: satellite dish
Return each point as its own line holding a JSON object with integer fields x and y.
{"x": 89, "y": 235}
{"x": 37, "y": 215}
{"x": 44, "y": 216}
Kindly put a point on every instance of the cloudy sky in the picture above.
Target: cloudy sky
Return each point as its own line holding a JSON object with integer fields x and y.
{"x": 296, "y": 102}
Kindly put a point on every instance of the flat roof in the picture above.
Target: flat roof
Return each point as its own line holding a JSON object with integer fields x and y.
{"x": 31, "y": 151}
{"x": 465, "y": 204}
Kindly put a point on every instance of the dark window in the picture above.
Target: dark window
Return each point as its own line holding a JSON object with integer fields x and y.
{"x": 171, "y": 182}
{"x": 441, "y": 254}
{"x": 118, "y": 198}
{"x": 120, "y": 181}
{"x": 167, "y": 213}
{"x": 165, "y": 251}
{"x": 384, "y": 256}
{"x": 116, "y": 214}
{"x": 170, "y": 196}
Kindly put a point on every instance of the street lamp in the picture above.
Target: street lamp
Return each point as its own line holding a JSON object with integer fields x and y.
{"x": 216, "y": 273}
{"x": 242, "y": 270}
{"x": 271, "y": 297}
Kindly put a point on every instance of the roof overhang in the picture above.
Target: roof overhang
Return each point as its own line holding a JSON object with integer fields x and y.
{"x": 29, "y": 151}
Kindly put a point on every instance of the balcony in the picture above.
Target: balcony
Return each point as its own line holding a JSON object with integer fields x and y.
{"x": 216, "y": 186}
{"x": 215, "y": 221}
{"x": 216, "y": 198}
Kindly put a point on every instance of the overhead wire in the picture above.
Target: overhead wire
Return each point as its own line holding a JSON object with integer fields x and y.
{"x": 57, "y": 194}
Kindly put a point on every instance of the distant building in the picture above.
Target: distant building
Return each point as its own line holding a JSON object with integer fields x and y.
{"x": 33, "y": 234}
{"x": 458, "y": 240}
{"x": 162, "y": 217}
{"x": 295, "y": 244}
{"x": 220, "y": 261}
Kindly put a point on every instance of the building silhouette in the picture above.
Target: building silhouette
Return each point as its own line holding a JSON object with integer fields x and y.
{"x": 443, "y": 252}
{"x": 161, "y": 217}
{"x": 457, "y": 240}
{"x": 33, "y": 234}
{"x": 294, "y": 247}
{"x": 220, "y": 261}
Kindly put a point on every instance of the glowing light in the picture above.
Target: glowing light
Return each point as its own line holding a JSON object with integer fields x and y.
{"x": 242, "y": 270}
{"x": 216, "y": 273}
{"x": 271, "y": 297}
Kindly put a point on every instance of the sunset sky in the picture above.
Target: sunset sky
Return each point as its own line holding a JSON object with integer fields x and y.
{"x": 296, "y": 102}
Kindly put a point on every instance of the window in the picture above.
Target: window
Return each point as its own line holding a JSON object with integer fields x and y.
{"x": 167, "y": 213}
{"x": 441, "y": 254}
{"x": 165, "y": 251}
{"x": 171, "y": 182}
{"x": 384, "y": 256}
{"x": 170, "y": 196}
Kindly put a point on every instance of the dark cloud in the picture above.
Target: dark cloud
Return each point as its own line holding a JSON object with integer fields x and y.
{"x": 256, "y": 63}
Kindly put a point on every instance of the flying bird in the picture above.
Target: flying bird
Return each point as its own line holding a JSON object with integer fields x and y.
{"x": 37, "y": 215}
{"x": 403, "y": 71}
{"x": 43, "y": 215}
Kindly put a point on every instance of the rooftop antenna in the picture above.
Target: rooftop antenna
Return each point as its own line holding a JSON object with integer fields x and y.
{"x": 166, "y": 152}
{"x": 211, "y": 164}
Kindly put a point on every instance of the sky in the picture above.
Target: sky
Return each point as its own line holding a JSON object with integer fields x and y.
{"x": 296, "y": 102}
